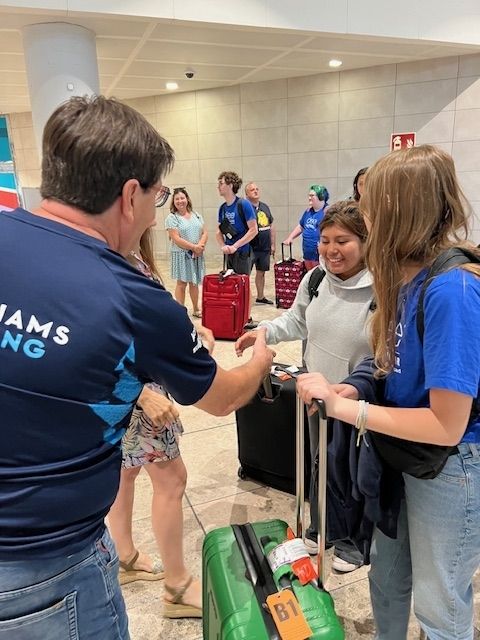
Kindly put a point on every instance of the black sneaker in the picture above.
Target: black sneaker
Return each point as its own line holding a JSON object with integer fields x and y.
{"x": 263, "y": 301}
{"x": 251, "y": 324}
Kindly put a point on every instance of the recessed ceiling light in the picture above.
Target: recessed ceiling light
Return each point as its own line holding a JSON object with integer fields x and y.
{"x": 171, "y": 86}
{"x": 335, "y": 63}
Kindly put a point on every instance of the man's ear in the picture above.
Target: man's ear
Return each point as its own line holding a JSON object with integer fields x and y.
{"x": 129, "y": 192}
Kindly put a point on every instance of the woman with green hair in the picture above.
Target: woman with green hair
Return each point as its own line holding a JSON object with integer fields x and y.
{"x": 308, "y": 226}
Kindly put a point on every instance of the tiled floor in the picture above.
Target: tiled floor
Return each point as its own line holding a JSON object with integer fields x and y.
{"x": 215, "y": 497}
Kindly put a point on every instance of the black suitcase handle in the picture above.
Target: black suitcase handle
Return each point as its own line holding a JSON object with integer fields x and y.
{"x": 290, "y": 259}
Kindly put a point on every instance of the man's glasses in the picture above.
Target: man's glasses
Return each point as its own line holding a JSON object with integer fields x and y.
{"x": 162, "y": 196}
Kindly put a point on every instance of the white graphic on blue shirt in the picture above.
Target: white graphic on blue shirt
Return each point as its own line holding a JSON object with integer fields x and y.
{"x": 29, "y": 324}
{"x": 398, "y": 341}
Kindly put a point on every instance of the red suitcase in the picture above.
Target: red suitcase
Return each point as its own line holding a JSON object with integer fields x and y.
{"x": 288, "y": 274}
{"x": 226, "y": 304}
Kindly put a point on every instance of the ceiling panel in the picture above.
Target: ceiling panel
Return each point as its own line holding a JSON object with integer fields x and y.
{"x": 371, "y": 46}
{"x": 115, "y": 47}
{"x": 109, "y": 67}
{"x": 11, "y": 62}
{"x": 10, "y": 40}
{"x": 174, "y": 71}
{"x": 225, "y": 35}
{"x": 174, "y": 52}
{"x": 121, "y": 28}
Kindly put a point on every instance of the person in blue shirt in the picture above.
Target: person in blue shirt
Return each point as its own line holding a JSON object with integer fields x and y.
{"x": 81, "y": 332}
{"x": 415, "y": 211}
{"x": 309, "y": 225}
{"x": 237, "y": 224}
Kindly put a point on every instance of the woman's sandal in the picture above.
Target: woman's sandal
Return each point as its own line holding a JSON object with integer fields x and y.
{"x": 176, "y": 608}
{"x": 197, "y": 314}
{"x": 128, "y": 573}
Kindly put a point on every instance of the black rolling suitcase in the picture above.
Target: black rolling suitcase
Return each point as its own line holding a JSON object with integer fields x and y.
{"x": 266, "y": 437}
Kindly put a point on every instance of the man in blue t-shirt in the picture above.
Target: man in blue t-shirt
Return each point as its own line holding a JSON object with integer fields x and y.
{"x": 237, "y": 224}
{"x": 263, "y": 244}
{"x": 81, "y": 332}
{"x": 309, "y": 225}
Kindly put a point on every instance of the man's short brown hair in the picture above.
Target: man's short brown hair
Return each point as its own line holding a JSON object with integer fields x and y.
{"x": 232, "y": 178}
{"x": 92, "y": 146}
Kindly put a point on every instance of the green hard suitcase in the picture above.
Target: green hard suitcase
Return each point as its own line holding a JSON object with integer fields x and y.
{"x": 237, "y": 577}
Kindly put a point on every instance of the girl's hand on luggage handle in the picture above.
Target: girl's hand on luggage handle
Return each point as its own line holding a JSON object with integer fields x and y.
{"x": 314, "y": 386}
{"x": 245, "y": 341}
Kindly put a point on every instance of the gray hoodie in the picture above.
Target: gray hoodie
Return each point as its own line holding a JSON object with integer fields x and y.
{"x": 334, "y": 324}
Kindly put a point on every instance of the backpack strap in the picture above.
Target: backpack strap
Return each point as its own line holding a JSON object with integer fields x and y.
{"x": 447, "y": 260}
{"x": 242, "y": 213}
{"x": 314, "y": 281}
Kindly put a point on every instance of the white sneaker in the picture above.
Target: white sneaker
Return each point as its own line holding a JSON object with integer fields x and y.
{"x": 312, "y": 546}
{"x": 343, "y": 566}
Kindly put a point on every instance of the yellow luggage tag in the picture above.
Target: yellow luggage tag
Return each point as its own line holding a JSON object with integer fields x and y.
{"x": 288, "y": 616}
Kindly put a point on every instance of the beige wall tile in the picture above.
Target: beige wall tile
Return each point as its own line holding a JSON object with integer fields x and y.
{"x": 210, "y": 197}
{"x": 373, "y": 132}
{"x": 469, "y": 65}
{"x": 185, "y": 172}
{"x": 264, "y": 141}
{"x": 351, "y": 160}
{"x": 280, "y": 221}
{"x": 313, "y": 137}
{"x": 221, "y": 118}
{"x": 312, "y": 164}
{"x": 177, "y": 123}
{"x": 344, "y": 188}
{"x": 426, "y": 70}
{"x": 429, "y": 127}
{"x": 468, "y": 96}
{"x": 218, "y": 97}
{"x": 314, "y": 109}
{"x": 467, "y": 125}
{"x": 210, "y": 169}
{"x": 175, "y": 102}
{"x": 30, "y": 178}
{"x": 272, "y": 192}
{"x": 273, "y": 167}
{"x": 466, "y": 155}
{"x": 28, "y": 138}
{"x": 260, "y": 91}
{"x": 226, "y": 144}
{"x": 144, "y": 105}
{"x": 185, "y": 147}
{"x": 426, "y": 97}
{"x": 367, "y": 103}
{"x": 256, "y": 115}
{"x": 354, "y": 79}
{"x": 469, "y": 181}
{"x": 210, "y": 215}
{"x": 313, "y": 85}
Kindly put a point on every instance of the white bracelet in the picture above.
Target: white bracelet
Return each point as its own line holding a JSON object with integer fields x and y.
{"x": 361, "y": 421}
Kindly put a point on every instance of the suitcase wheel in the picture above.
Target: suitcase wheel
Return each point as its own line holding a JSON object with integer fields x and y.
{"x": 241, "y": 473}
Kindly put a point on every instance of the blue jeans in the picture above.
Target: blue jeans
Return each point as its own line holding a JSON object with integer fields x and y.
{"x": 344, "y": 549}
{"x": 435, "y": 555}
{"x": 64, "y": 598}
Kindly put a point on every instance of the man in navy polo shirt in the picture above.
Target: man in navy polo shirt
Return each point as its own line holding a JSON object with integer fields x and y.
{"x": 81, "y": 332}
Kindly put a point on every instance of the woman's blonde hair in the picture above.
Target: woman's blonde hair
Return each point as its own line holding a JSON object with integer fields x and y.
{"x": 416, "y": 210}
{"x": 147, "y": 253}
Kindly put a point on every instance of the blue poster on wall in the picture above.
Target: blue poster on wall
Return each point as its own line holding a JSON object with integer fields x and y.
{"x": 8, "y": 184}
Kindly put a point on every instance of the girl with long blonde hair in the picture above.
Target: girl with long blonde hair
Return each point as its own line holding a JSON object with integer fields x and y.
{"x": 415, "y": 211}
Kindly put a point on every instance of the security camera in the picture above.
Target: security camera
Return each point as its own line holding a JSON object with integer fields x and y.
{"x": 189, "y": 73}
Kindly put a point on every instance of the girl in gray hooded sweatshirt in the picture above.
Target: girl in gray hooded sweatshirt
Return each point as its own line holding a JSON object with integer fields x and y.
{"x": 334, "y": 326}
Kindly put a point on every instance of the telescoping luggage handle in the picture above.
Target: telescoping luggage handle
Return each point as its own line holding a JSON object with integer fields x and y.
{"x": 322, "y": 481}
{"x": 283, "y": 252}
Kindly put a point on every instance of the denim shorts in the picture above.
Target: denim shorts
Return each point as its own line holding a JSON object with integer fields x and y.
{"x": 74, "y": 597}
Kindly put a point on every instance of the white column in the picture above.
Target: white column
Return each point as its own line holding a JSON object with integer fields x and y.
{"x": 61, "y": 62}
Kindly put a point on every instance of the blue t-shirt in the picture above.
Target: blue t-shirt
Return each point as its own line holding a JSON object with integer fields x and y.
{"x": 230, "y": 211}
{"x": 81, "y": 331}
{"x": 310, "y": 223}
{"x": 450, "y": 357}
